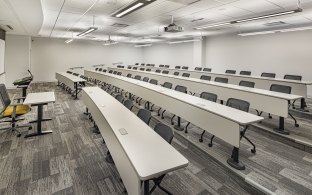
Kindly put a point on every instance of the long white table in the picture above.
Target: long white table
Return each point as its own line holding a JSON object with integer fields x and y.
{"x": 219, "y": 120}
{"x": 298, "y": 87}
{"x": 139, "y": 153}
{"x": 259, "y": 99}
{"x": 70, "y": 81}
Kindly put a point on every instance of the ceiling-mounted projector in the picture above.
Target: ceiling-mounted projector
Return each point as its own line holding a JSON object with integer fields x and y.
{"x": 173, "y": 28}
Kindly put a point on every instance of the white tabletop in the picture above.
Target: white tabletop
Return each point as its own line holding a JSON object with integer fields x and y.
{"x": 73, "y": 78}
{"x": 39, "y": 98}
{"x": 149, "y": 153}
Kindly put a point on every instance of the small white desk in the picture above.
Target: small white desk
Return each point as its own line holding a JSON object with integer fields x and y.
{"x": 39, "y": 100}
{"x": 139, "y": 153}
{"x": 70, "y": 81}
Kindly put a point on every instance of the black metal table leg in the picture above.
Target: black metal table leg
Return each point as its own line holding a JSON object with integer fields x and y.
{"x": 281, "y": 128}
{"x": 76, "y": 90}
{"x": 178, "y": 126}
{"x": 303, "y": 105}
{"x": 146, "y": 187}
{"x": 234, "y": 160}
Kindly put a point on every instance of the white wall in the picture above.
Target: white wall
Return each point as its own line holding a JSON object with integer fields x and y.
{"x": 17, "y": 58}
{"x": 171, "y": 54}
{"x": 53, "y": 55}
{"x": 282, "y": 53}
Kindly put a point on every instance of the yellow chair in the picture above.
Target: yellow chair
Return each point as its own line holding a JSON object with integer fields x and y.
{"x": 12, "y": 111}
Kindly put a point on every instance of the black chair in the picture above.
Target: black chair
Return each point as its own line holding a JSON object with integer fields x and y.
{"x": 165, "y": 72}
{"x": 154, "y": 81}
{"x": 129, "y": 67}
{"x": 134, "y": 68}
{"x": 287, "y": 90}
{"x": 166, "y": 66}
{"x": 129, "y": 104}
{"x": 145, "y": 79}
{"x": 293, "y": 77}
{"x": 76, "y": 74}
{"x": 120, "y": 98}
{"x": 69, "y": 72}
{"x": 12, "y": 111}
{"x": 145, "y": 115}
{"x": 100, "y": 69}
{"x": 268, "y": 75}
{"x": 177, "y": 67}
{"x": 176, "y": 73}
{"x": 207, "y": 69}
{"x": 243, "y": 106}
{"x": 167, "y": 134}
{"x": 211, "y": 97}
{"x": 247, "y": 84}
{"x": 158, "y": 71}
{"x": 129, "y": 75}
{"x": 186, "y": 74}
{"x": 243, "y": 72}
{"x": 142, "y": 69}
{"x": 142, "y": 64}
{"x": 152, "y": 65}
{"x": 205, "y": 77}
{"x": 96, "y": 69}
{"x": 198, "y": 68}
{"x": 110, "y": 71}
{"x": 161, "y": 65}
{"x": 148, "y": 70}
{"x": 185, "y": 67}
{"x": 115, "y": 72}
{"x": 221, "y": 80}
{"x": 119, "y": 73}
{"x": 230, "y": 71}
{"x": 104, "y": 70}
{"x": 137, "y": 77}
{"x": 136, "y": 64}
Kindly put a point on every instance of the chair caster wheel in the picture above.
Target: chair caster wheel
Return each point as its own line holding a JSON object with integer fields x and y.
{"x": 253, "y": 151}
{"x": 200, "y": 140}
{"x": 19, "y": 135}
{"x": 270, "y": 117}
{"x": 172, "y": 123}
{"x": 210, "y": 145}
{"x": 294, "y": 107}
{"x": 162, "y": 117}
{"x": 29, "y": 128}
{"x": 296, "y": 125}
{"x": 158, "y": 114}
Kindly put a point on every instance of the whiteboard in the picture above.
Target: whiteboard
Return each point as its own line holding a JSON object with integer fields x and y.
{"x": 2, "y": 47}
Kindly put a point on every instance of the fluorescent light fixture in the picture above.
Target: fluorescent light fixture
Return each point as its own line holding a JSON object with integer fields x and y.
{"x": 131, "y": 8}
{"x": 89, "y": 30}
{"x": 213, "y": 25}
{"x": 257, "y": 33}
{"x": 297, "y": 29}
{"x": 276, "y": 31}
{"x": 69, "y": 40}
{"x": 184, "y": 41}
{"x": 143, "y": 45}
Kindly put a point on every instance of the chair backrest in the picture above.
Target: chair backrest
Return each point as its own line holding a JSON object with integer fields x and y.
{"x": 152, "y": 65}
{"x": 129, "y": 104}
{"x": 176, "y": 73}
{"x": 75, "y": 74}
{"x": 129, "y": 75}
{"x": 293, "y": 77}
{"x": 137, "y": 77}
{"x": 104, "y": 70}
{"x": 145, "y": 79}
{"x": 209, "y": 96}
{"x": 142, "y": 64}
{"x": 247, "y": 84}
{"x": 181, "y": 88}
{"x": 154, "y": 81}
{"x": 120, "y": 98}
{"x": 148, "y": 69}
{"x": 134, "y": 68}
{"x": 269, "y": 75}
{"x": 100, "y": 69}
{"x": 165, "y": 72}
{"x": 161, "y": 65}
{"x": 167, "y": 85}
{"x": 5, "y": 98}
{"x": 221, "y": 80}
{"x": 136, "y": 63}
{"x": 164, "y": 131}
{"x": 158, "y": 70}
{"x": 230, "y": 71}
{"x": 129, "y": 67}
{"x": 185, "y": 67}
{"x": 166, "y": 66}
{"x": 280, "y": 88}
{"x": 177, "y": 67}
{"x": 142, "y": 69}
{"x": 243, "y": 72}
{"x": 186, "y": 74}
{"x": 119, "y": 73}
{"x": 207, "y": 69}
{"x": 69, "y": 72}
{"x": 115, "y": 72}
{"x": 145, "y": 115}
{"x": 198, "y": 68}
{"x": 238, "y": 104}
{"x": 96, "y": 69}
{"x": 205, "y": 77}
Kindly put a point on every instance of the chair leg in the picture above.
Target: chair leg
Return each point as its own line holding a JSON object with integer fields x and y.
{"x": 210, "y": 144}
{"x": 296, "y": 123}
{"x": 152, "y": 108}
{"x": 164, "y": 189}
{"x": 186, "y": 131}
{"x": 201, "y": 139}
{"x": 172, "y": 123}
{"x": 270, "y": 117}
{"x": 162, "y": 114}
{"x": 158, "y": 112}
{"x": 254, "y": 146}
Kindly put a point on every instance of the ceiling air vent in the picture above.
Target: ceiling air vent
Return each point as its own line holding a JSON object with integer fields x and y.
{"x": 279, "y": 23}
{"x": 120, "y": 25}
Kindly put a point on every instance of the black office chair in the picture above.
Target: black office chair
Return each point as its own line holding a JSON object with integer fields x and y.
{"x": 207, "y": 69}
{"x": 142, "y": 69}
{"x": 268, "y": 75}
{"x": 100, "y": 69}
{"x": 137, "y": 77}
{"x": 293, "y": 77}
{"x": 176, "y": 73}
{"x": 69, "y": 72}
{"x": 165, "y": 72}
{"x": 152, "y": 65}
{"x": 110, "y": 71}
{"x": 142, "y": 64}
{"x": 198, "y": 68}
{"x": 96, "y": 69}
{"x": 136, "y": 64}
{"x": 129, "y": 67}
{"x": 246, "y": 73}
{"x": 145, "y": 79}
{"x": 119, "y": 73}
{"x": 287, "y": 90}
{"x": 181, "y": 89}
{"x": 221, "y": 80}
{"x": 243, "y": 106}
{"x": 247, "y": 84}
{"x": 211, "y": 97}
{"x": 186, "y": 74}
{"x": 205, "y": 77}
{"x": 129, "y": 104}
{"x": 166, "y": 66}
{"x": 154, "y": 81}
{"x": 104, "y": 70}
{"x": 129, "y": 75}
{"x": 12, "y": 111}
{"x": 167, "y": 134}
{"x": 76, "y": 74}
{"x": 145, "y": 115}
{"x": 230, "y": 71}
{"x": 177, "y": 67}
{"x": 148, "y": 70}
{"x": 167, "y": 85}
{"x": 184, "y": 67}
{"x": 158, "y": 71}
{"x": 134, "y": 68}
{"x": 161, "y": 65}
{"x": 115, "y": 72}
{"x": 120, "y": 98}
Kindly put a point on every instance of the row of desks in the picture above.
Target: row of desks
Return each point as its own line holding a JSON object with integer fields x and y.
{"x": 298, "y": 87}
{"x": 70, "y": 81}
{"x": 219, "y": 120}
{"x": 259, "y": 99}
{"x": 139, "y": 153}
